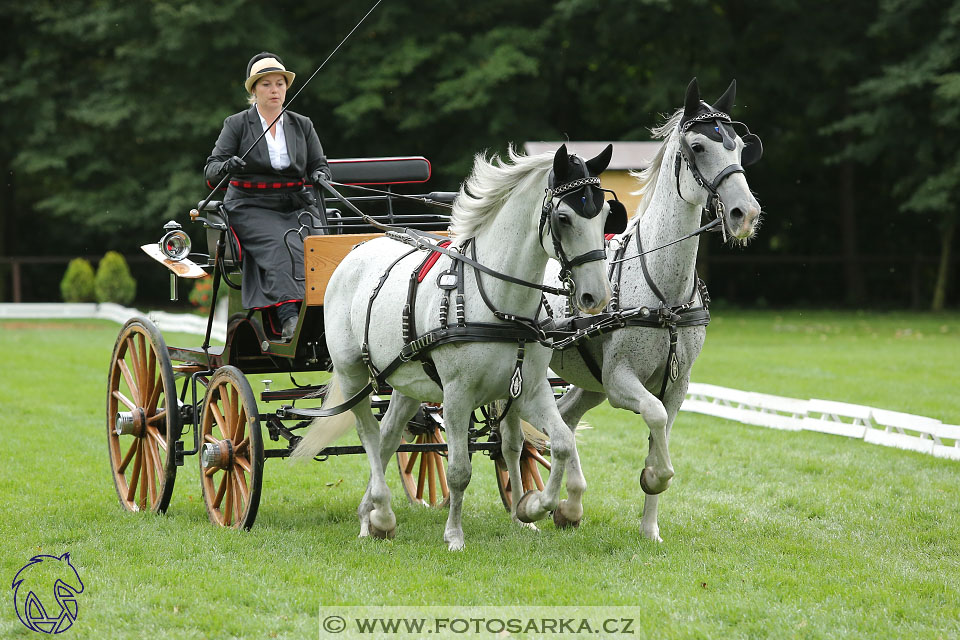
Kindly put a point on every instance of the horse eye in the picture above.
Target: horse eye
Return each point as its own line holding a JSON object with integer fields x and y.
{"x": 697, "y": 147}
{"x": 564, "y": 219}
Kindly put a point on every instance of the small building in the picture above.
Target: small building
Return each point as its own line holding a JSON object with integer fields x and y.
{"x": 627, "y": 156}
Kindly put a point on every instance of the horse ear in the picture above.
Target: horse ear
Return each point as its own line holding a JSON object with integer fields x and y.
{"x": 617, "y": 218}
{"x": 561, "y": 163}
{"x": 597, "y": 165}
{"x": 691, "y": 104}
{"x": 725, "y": 102}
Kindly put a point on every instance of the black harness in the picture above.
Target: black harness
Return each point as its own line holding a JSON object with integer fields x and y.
{"x": 511, "y": 329}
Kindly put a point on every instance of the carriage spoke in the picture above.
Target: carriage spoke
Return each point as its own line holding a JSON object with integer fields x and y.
{"x": 220, "y": 490}
{"x": 155, "y": 392}
{"x": 243, "y": 463}
{"x": 229, "y": 411}
{"x": 215, "y": 410}
{"x": 532, "y": 451}
{"x": 152, "y": 375}
{"x": 126, "y": 459}
{"x": 142, "y": 360}
{"x": 242, "y": 448}
{"x": 412, "y": 462}
{"x": 209, "y": 471}
{"x": 160, "y": 416}
{"x": 151, "y": 478}
{"x": 135, "y": 476}
{"x": 209, "y": 438}
{"x": 431, "y": 476}
{"x": 124, "y": 400}
{"x": 535, "y": 474}
{"x": 228, "y": 509}
{"x": 421, "y": 476}
{"x": 244, "y": 488}
{"x": 155, "y": 434}
{"x": 242, "y": 495}
{"x": 144, "y": 463}
{"x": 239, "y": 430}
{"x": 125, "y": 371}
{"x": 442, "y": 476}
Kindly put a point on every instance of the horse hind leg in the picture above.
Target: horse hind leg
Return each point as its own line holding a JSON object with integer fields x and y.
{"x": 511, "y": 439}
{"x": 576, "y": 402}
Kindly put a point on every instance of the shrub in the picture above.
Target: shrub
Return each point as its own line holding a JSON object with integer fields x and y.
{"x": 77, "y": 283}
{"x": 114, "y": 282}
{"x": 201, "y": 294}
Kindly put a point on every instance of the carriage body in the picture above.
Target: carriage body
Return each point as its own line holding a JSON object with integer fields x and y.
{"x": 148, "y": 439}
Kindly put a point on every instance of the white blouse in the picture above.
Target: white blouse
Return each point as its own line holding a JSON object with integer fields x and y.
{"x": 279, "y": 158}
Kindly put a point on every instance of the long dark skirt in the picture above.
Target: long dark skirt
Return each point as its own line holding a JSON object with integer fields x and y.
{"x": 260, "y": 221}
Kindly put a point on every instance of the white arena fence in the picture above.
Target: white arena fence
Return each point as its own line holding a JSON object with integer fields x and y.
{"x": 876, "y": 426}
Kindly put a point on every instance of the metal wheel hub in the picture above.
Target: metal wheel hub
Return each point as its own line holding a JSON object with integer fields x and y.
{"x": 131, "y": 423}
{"x": 217, "y": 454}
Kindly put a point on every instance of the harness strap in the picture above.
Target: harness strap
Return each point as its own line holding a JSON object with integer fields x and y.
{"x": 364, "y": 348}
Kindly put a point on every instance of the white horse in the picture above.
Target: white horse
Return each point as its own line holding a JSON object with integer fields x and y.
{"x": 698, "y": 164}
{"x": 503, "y": 219}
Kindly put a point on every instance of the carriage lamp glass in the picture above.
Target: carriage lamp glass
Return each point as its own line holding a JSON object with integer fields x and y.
{"x": 175, "y": 245}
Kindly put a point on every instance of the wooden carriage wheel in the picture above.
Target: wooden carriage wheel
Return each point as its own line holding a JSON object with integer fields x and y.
{"x": 532, "y": 465}
{"x": 231, "y": 450}
{"x": 424, "y": 475}
{"x": 141, "y": 431}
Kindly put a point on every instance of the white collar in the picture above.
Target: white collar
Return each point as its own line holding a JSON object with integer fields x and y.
{"x": 263, "y": 120}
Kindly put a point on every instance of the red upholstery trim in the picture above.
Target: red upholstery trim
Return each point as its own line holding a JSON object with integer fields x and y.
{"x": 239, "y": 248}
{"x": 417, "y": 158}
{"x": 271, "y": 306}
{"x": 432, "y": 260}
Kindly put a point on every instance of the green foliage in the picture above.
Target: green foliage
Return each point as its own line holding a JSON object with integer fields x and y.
{"x": 78, "y": 282}
{"x": 113, "y": 282}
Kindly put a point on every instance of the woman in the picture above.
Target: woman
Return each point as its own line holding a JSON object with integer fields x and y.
{"x": 266, "y": 194}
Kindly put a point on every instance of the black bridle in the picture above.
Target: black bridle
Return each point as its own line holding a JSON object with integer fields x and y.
{"x": 550, "y": 218}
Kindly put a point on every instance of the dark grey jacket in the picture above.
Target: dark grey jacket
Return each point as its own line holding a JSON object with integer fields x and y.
{"x": 239, "y": 132}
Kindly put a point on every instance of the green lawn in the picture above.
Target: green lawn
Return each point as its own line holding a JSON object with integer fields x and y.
{"x": 767, "y": 533}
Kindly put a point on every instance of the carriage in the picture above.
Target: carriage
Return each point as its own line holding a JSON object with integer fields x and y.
{"x": 159, "y": 393}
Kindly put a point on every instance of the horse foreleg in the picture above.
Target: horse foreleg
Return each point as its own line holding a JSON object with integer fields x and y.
{"x": 540, "y": 408}
{"x": 649, "y": 525}
{"x": 625, "y": 391}
{"x": 456, "y": 420}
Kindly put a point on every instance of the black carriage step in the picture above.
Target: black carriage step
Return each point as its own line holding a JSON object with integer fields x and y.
{"x": 439, "y": 447}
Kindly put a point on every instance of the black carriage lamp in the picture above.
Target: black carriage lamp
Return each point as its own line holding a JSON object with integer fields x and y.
{"x": 175, "y": 245}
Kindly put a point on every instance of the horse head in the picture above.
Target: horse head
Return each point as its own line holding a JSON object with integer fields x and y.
{"x": 574, "y": 215}
{"x": 715, "y": 155}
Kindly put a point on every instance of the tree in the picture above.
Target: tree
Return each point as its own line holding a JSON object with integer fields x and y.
{"x": 910, "y": 112}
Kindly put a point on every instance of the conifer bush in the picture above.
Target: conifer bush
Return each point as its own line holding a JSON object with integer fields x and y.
{"x": 113, "y": 282}
{"x": 77, "y": 283}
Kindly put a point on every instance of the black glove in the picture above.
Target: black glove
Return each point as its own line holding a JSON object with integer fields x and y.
{"x": 322, "y": 172}
{"x": 234, "y": 164}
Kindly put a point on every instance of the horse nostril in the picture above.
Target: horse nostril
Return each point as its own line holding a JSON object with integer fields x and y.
{"x": 736, "y": 213}
{"x": 587, "y": 301}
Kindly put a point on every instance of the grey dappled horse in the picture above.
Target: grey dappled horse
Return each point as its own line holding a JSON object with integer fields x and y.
{"x": 633, "y": 361}
{"x": 501, "y": 212}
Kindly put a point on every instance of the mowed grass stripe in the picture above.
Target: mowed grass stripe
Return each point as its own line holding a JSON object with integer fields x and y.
{"x": 767, "y": 533}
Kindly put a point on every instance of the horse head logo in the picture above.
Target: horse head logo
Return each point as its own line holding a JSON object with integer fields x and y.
{"x": 38, "y": 578}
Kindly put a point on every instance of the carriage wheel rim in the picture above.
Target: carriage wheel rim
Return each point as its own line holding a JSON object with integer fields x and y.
{"x": 229, "y": 424}
{"x": 140, "y": 376}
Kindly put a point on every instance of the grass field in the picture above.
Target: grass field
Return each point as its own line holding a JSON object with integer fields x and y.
{"x": 767, "y": 533}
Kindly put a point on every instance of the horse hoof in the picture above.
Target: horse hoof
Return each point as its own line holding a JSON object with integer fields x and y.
{"x": 645, "y": 483}
{"x": 522, "y": 505}
{"x": 379, "y": 533}
{"x": 561, "y": 520}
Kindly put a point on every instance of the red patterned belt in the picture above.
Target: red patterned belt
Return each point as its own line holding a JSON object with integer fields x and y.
{"x": 243, "y": 184}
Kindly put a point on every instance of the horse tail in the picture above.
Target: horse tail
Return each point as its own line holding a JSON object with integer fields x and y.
{"x": 325, "y": 431}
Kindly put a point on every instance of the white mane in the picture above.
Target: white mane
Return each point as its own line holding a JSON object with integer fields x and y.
{"x": 648, "y": 177}
{"x": 490, "y": 184}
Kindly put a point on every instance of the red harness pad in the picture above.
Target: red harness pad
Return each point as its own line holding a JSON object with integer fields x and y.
{"x": 607, "y": 237}
{"x": 431, "y": 260}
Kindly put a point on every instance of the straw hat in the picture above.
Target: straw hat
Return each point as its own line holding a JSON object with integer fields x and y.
{"x": 264, "y": 64}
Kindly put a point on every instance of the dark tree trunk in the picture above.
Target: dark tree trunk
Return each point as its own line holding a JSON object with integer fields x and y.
{"x": 852, "y": 273}
{"x": 943, "y": 272}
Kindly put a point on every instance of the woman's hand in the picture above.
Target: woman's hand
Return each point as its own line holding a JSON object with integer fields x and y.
{"x": 322, "y": 172}
{"x": 234, "y": 164}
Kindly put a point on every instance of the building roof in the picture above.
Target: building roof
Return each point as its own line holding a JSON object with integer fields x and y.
{"x": 626, "y": 155}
